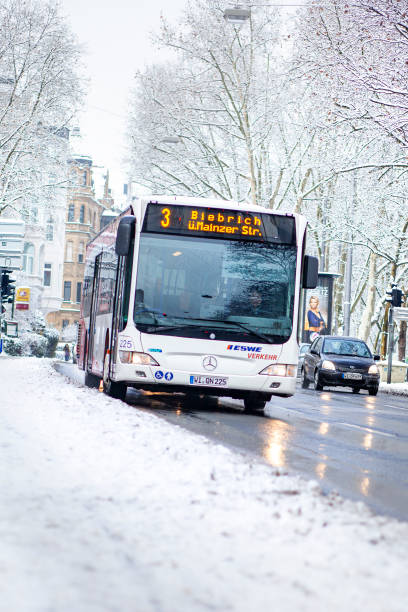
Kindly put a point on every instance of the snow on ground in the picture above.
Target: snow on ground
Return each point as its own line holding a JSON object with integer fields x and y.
{"x": 107, "y": 508}
{"x": 395, "y": 388}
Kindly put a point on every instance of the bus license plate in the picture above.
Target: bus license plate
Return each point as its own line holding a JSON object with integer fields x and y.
{"x": 209, "y": 381}
{"x": 353, "y": 376}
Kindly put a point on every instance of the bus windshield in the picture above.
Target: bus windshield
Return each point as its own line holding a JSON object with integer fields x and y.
{"x": 224, "y": 289}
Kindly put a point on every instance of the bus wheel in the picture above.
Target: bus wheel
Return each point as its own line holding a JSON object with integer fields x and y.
{"x": 110, "y": 387}
{"x": 91, "y": 380}
{"x": 254, "y": 402}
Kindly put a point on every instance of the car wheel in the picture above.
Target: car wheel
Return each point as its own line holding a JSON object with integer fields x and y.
{"x": 373, "y": 391}
{"x": 110, "y": 387}
{"x": 305, "y": 382}
{"x": 356, "y": 389}
{"x": 317, "y": 384}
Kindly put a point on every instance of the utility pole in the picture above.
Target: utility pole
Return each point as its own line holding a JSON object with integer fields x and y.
{"x": 390, "y": 341}
{"x": 394, "y": 297}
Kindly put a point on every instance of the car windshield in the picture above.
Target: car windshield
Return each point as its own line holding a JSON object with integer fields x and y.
{"x": 349, "y": 348}
{"x": 303, "y": 349}
{"x": 195, "y": 286}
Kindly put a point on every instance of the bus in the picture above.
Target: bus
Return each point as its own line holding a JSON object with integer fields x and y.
{"x": 199, "y": 296}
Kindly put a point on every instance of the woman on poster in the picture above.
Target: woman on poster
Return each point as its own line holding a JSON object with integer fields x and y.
{"x": 315, "y": 322}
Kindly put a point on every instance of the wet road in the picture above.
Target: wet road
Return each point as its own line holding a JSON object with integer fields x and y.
{"x": 355, "y": 444}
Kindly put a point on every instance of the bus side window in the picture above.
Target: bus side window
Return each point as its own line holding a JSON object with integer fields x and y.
{"x": 127, "y": 263}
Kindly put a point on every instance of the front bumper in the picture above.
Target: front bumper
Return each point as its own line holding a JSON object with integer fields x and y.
{"x": 180, "y": 380}
{"x": 336, "y": 379}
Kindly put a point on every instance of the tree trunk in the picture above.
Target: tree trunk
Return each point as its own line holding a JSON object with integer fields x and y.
{"x": 339, "y": 291}
{"x": 402, "y": 341}
{"x": 365, "y": 325}
{"x": 384, "y": 330}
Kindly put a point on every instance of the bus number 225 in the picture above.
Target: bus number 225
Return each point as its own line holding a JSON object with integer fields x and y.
{"x": 124, "y": 343}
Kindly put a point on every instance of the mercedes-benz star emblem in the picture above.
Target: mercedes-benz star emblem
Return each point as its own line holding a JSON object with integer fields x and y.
{"x": 210, "y": 362}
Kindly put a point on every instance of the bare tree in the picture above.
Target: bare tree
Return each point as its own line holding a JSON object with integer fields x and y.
{"x": 40, "y": 88}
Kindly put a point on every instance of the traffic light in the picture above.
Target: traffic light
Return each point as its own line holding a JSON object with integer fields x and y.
{"x": 394, "y": 297}
{"x": 7, "y": 287}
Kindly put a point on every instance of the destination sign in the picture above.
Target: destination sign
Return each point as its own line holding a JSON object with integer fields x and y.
{"x": 219, "y": 223}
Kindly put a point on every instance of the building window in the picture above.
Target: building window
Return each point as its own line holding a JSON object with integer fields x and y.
{"x": 47, "y": 275}
{"x": 84, "y": 178}
{"x": 82, "y": 214}
{"x": 28, "y": 258}
{"x": 79, "y": 291}
{"x": 71, "y": 212}
{"x": 34, "y": 215}
{"x": 67, "y": 291}
{"x": 81, "y": 253}
{"x": 49, "y": 229}
{"x": 69, "y": 251}
{"x": 65, "y": 323}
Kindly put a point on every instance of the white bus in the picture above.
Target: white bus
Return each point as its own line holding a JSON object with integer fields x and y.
{"x": 195, "y": 296}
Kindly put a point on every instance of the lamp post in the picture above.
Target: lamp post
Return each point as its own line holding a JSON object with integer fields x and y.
{"x": 171, "y": 139}
{"x": 239, "y": 15}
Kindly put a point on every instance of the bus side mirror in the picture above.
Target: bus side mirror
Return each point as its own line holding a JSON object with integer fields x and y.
{"x": 125, "y": 234}
{"x": 310, "y": 272}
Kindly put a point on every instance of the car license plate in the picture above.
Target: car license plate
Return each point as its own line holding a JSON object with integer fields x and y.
{"x": 353, "y": 376}
{"x": 209, "y": 381}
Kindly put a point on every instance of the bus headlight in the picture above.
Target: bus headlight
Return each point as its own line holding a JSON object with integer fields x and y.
{"x": 137, "y": 358}
{"x": 279, "y": 369}
{"x": 373, "y": 369}
{"x": 328, "y": 365}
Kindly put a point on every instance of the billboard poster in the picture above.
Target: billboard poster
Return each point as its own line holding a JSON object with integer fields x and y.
{"x": 317, "y": 309}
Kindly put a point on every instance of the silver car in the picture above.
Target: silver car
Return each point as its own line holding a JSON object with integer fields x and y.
{"x": 302, "y": 350}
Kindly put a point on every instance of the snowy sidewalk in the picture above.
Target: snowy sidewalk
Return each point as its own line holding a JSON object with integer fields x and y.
{"x": 105, "y": 508}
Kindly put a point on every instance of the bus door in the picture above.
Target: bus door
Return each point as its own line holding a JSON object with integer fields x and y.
{"x": 117, "y": 315}
{"x": 94, "y": 308}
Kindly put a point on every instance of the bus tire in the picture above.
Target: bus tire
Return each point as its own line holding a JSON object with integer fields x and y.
{"x": 91, "y": 380}
{"x": 110, "y": 387}
{"x": 254, "y": 403}
{"x": 116, "y": 390}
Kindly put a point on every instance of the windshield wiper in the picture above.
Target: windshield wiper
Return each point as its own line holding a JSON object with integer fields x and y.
{"x": 209, "y": 322}
{"x": 168, "y": 327}
{"x": 248, "y": 329}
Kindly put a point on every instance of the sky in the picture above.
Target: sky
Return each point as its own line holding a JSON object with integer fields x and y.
{"x": 116, "y": 37}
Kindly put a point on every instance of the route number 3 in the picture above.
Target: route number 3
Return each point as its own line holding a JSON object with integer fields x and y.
{"x": 165, "y": 222}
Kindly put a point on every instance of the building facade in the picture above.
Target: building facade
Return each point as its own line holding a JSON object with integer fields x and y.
{"x": 82, "y": 223}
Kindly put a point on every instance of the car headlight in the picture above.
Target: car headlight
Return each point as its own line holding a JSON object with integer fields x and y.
{"x": 373, "y": 369}
{"x": 328, "y": 365}
{"x": 280, "y": 369}
{"x": 137, "y": 358}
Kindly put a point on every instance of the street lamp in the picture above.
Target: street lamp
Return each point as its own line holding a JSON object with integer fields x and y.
{"x": 171, "y": 139}
{"x": 237, "y": 15}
